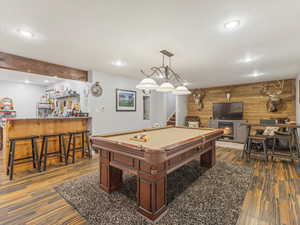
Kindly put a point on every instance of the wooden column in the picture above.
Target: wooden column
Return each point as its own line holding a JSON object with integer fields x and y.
{"x": 152, "y": 189}
{"x": 208, "y": 159}
{"x": 110, "y": 177}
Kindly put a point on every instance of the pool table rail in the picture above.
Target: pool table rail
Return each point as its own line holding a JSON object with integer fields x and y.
{"x": 154, "y": 155}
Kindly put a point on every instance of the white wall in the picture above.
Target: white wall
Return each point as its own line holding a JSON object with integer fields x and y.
{"x": 171, "y": 104}
{"x": 158, "y": 108}
{"x": 297, "y": 99}
{"x": 181, "y": 109}
{"x": 103, "y": 109}
{"x": 25, "y": 96}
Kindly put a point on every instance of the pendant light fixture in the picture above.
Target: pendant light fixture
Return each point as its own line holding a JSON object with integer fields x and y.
{"x": 163, "y": 78}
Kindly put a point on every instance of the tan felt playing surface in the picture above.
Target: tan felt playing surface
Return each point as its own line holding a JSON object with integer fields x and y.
{"x": 161, "y": 137}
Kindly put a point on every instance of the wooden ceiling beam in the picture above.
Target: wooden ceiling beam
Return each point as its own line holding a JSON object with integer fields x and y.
{"x": 23, "y": 64}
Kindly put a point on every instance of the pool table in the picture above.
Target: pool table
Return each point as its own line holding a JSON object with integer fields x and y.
{"x": 166, "y": 150}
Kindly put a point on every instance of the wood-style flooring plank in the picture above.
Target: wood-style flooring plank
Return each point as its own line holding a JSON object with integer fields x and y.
{"x": 273, "y": 197}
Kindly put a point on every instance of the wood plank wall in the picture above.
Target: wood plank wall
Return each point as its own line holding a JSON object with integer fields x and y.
{"x": 254, "y": 103}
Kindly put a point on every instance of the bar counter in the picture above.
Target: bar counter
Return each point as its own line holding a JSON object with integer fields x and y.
{"x": 22, "y": 127}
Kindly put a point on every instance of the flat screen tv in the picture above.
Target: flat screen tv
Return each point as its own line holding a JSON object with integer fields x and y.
{"x": 228, "y": 111}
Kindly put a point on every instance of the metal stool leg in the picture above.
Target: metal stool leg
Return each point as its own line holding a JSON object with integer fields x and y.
{"x": 249, "y": 148}
{"x": 88, "y": 145}
{"x": 60, "y": 148}
{"x": 74, "y": 148}
{"x": 62, "y": 139}
{"x": 33, "y": 152}
{"x": 265, "y": 150}
{"x": 273, "y": 148}
{"x": 245, "y": 148}
{"x": 9, "y": 158}
{"x": 35, "y": 149}
{"x": 69, "y": 148}
{"x": 42, "y": 154}
{"x": 83, "y": 148}
{"x": 12, "y": 158}
{"x": 45, "y": 153}
{"x": 291, "y": 149}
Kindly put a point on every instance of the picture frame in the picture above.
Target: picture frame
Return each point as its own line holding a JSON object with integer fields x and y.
{"x": 125, "y": 100}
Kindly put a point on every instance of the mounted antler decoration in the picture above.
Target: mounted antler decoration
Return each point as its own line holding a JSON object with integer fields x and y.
{"x": 198, "y": 98}
{"x": 273, "y": 91}
{"x": 228, "y": 91}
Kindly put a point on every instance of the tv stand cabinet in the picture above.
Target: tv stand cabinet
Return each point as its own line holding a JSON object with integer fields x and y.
{"x": 239, "y": 132}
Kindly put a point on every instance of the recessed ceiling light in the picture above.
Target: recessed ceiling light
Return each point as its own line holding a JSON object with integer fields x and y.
{"x": 46, "y": 81}
{"x": 26, "y": 81}
{"x": 247, "y": 59}
{"x": 119, "y": 63}
{"x": 250, "y": 58}
{"x": 25, "y": 33}
{"x": 257, "y": 74}
{"x": 232, "y": 25}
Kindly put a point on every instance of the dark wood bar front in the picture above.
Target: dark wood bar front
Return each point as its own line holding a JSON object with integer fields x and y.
{"x": 18, "y": 128}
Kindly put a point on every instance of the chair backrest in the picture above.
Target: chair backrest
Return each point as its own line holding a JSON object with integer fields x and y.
{"x": 282, "y": 120}
{"x": 268, "y": 122}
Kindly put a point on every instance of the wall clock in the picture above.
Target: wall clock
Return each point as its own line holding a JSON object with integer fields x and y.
{"x": 96, "y": 89}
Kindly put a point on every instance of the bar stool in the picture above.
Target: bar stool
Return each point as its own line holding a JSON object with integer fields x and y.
{"x": 11, "y": 157}
{"x": 257, "y": 140}
{"x": 72, "y": 145}
{"x": 44, "y": 151}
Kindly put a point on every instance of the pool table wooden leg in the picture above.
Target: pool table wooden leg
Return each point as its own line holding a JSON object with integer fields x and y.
{"x": 110, "y": 177}
{"x": 152, "y": 199}
{"x": 208, "y": 159}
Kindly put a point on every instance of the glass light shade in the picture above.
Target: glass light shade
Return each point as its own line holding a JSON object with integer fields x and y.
{"x": 147, "y": 84}
{"x": 165, "y": 87}
{"x": 181, "y": 90}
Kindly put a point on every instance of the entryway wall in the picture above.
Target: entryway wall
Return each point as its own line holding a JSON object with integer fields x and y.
{"x": 297, "y": 84}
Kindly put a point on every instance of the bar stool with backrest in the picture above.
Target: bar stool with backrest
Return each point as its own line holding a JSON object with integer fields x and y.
{"x": 256, "y": 140}
{"x": 287, "y": 136}
{"x": 12, "y": 149}
{"x": 72, "y": 145}
{"x": 44, "y": 150}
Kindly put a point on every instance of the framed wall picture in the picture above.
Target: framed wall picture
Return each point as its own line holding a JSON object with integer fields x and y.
{"x": 125, "y": 100}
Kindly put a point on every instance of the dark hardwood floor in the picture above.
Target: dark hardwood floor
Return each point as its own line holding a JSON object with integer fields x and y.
{"x": 273, "y": 197}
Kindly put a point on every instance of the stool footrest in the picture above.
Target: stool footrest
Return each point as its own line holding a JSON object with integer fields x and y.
{"x": 30, "y": 157}
{"x": 28, "y": 161}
